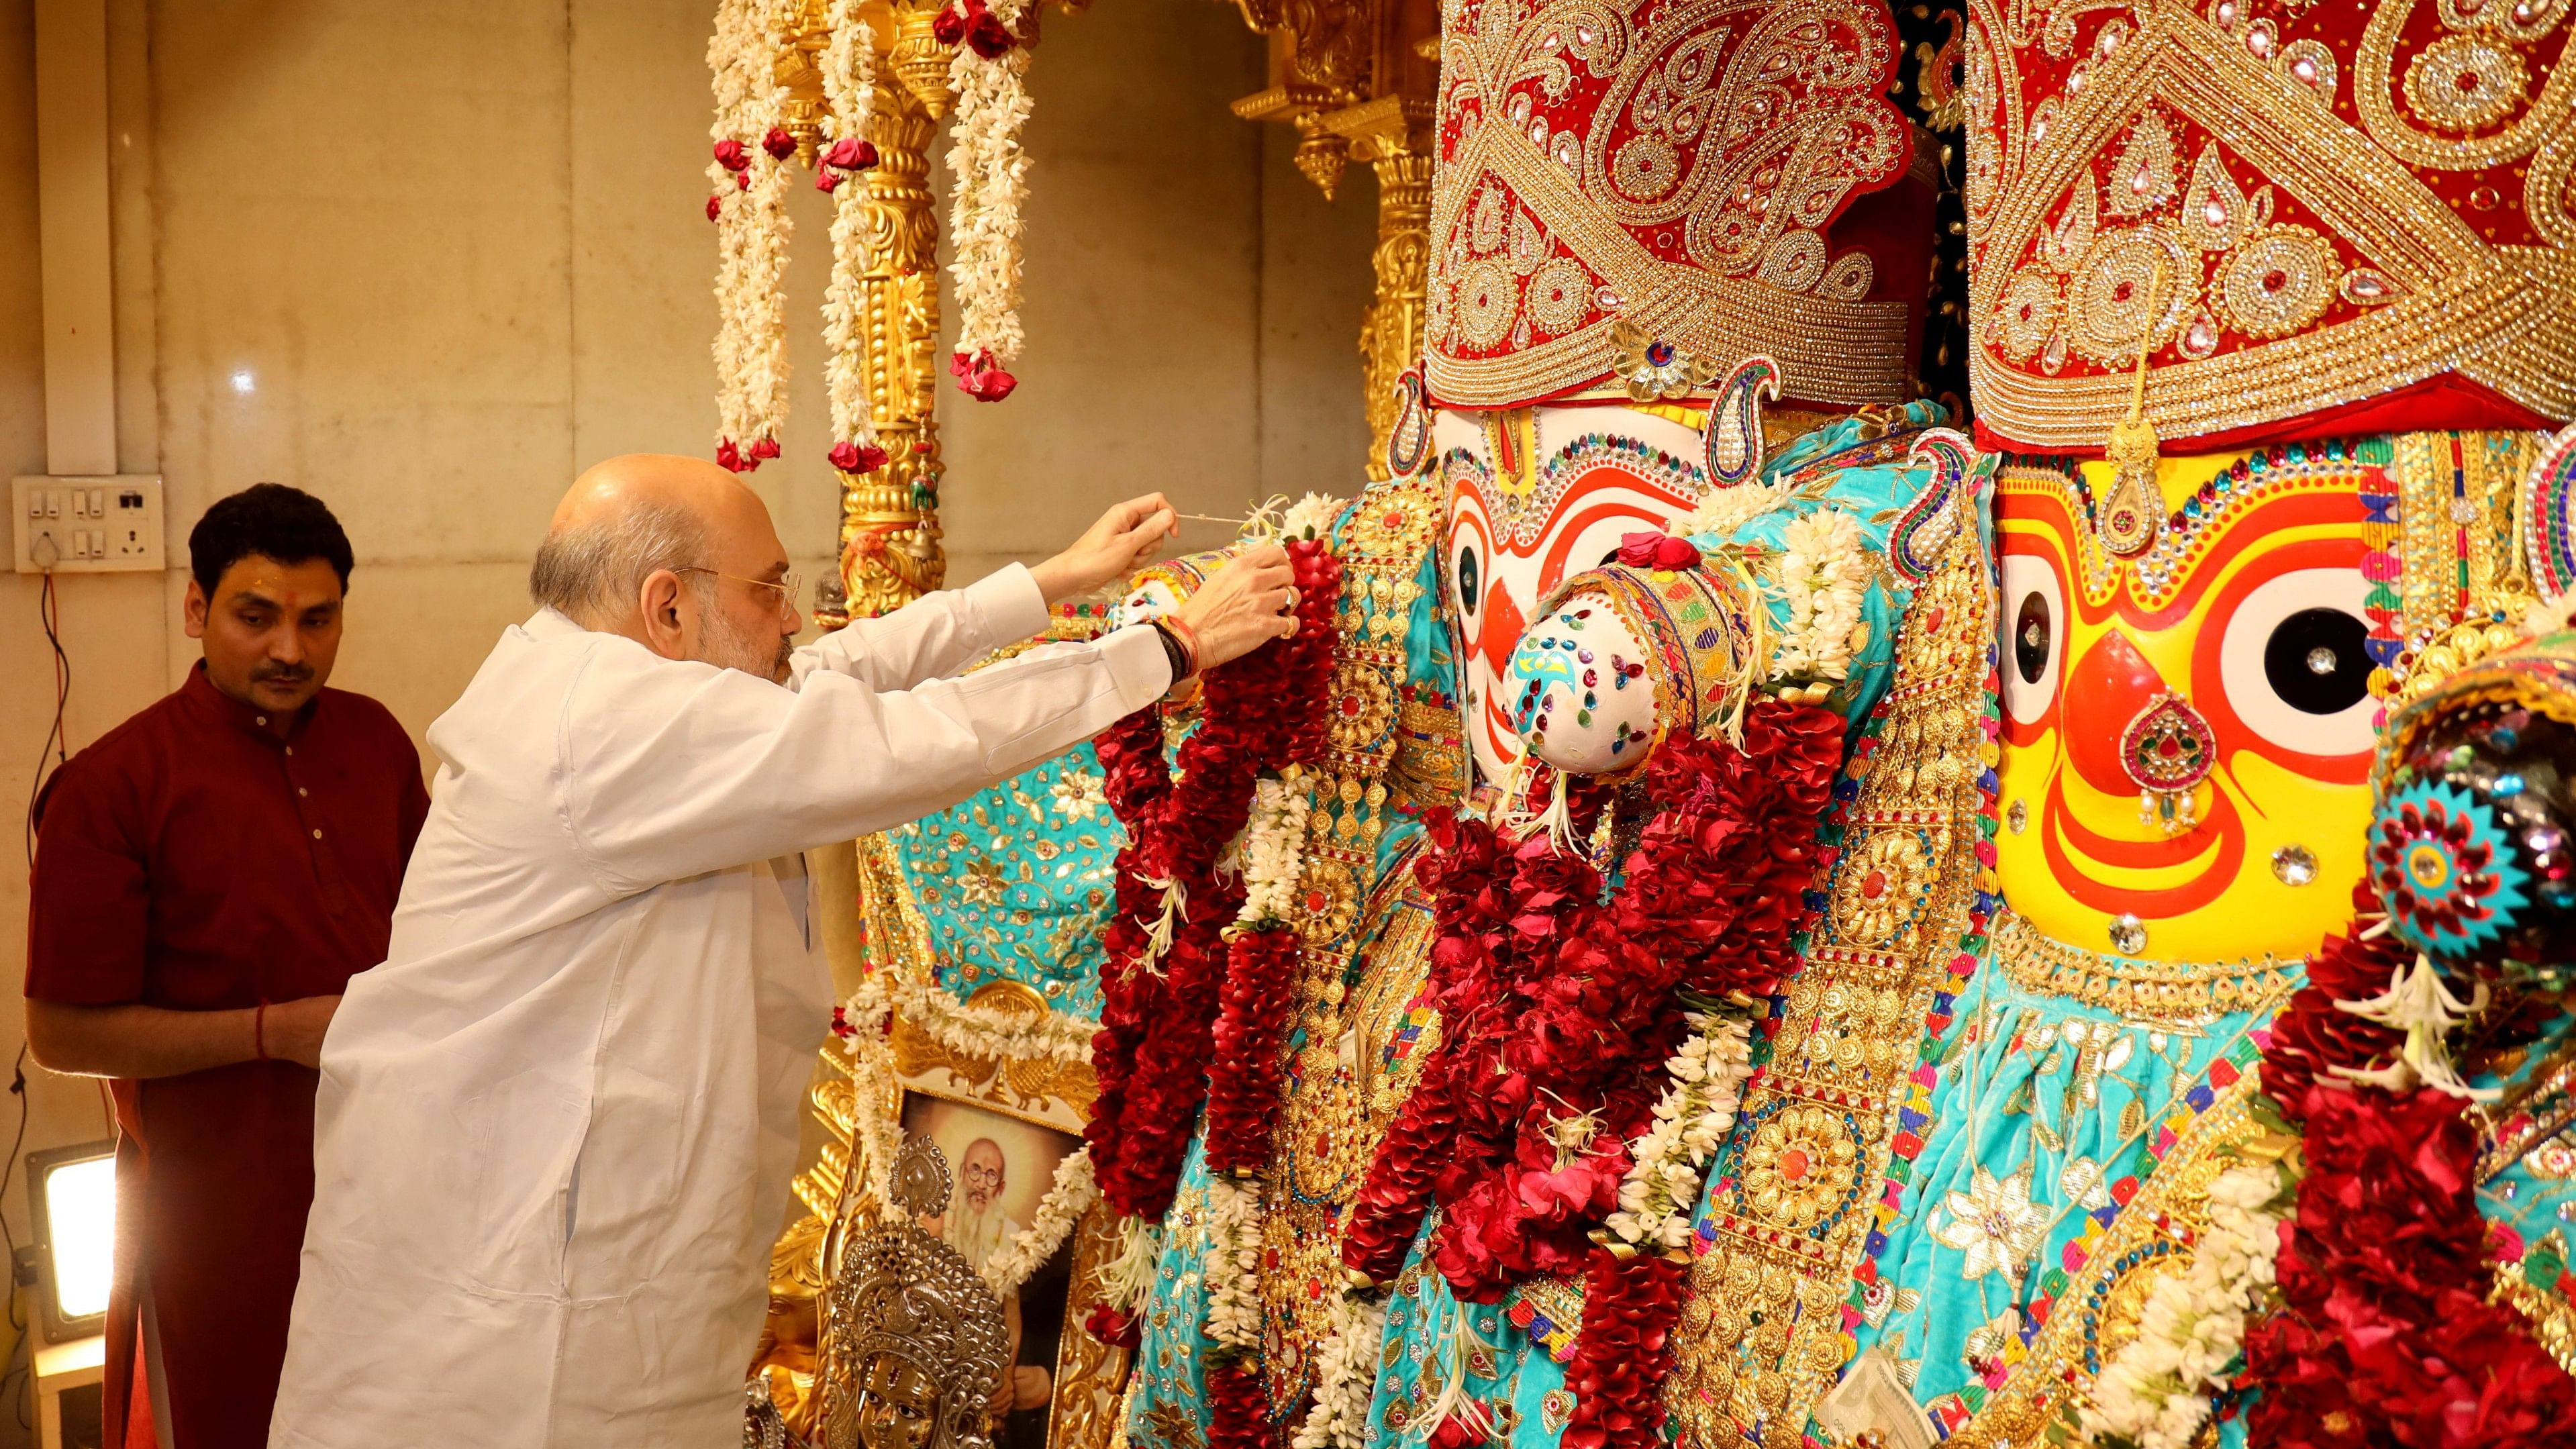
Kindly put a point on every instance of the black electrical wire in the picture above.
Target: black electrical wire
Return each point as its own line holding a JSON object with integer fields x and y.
{"x": 56, "y": 750}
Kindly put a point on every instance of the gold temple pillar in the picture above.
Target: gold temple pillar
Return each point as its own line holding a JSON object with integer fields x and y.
{"x": 890, "y": 550}
{"x": 1357, "y": 79}
{"x": 1392, "y": 134}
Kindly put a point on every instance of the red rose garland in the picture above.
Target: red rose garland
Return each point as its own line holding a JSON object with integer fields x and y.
{"x": 1152, "y": 1053}
{"x": 1555, "y": 1003}
{"x": 1623, "y": 1352}
{"x": 1243, "y": 1076}
{"x": 1238, "y": 1407}
{"x": 2385, "y": 1335}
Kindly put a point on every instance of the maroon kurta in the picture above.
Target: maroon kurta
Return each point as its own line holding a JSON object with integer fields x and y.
{"x": 194, "y": 860}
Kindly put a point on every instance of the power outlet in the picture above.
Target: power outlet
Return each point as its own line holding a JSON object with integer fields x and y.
{"x": 102, "y": 525}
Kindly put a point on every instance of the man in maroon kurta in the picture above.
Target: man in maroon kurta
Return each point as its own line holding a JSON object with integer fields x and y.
{"x": 207, "y": 877}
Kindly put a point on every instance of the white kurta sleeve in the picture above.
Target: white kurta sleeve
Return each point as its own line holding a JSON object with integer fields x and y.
{"x": 932, "y": 636}
{"x": 672, "y": 769}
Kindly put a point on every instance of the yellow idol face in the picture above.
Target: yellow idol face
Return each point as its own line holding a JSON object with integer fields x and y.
{"x": 2187, "y": 733}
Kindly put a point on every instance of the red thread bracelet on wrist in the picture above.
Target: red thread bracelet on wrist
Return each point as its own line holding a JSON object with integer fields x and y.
{"x": 259, "y": 1029}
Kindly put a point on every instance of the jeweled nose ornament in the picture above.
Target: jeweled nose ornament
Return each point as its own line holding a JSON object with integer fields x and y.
{"x": 2168, "y": 750}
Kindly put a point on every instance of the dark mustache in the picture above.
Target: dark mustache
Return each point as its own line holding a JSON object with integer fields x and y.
{"x": 290, "y": 673}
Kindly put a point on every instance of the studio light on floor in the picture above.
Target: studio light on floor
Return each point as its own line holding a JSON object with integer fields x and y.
{"x": 75, "y": 1203}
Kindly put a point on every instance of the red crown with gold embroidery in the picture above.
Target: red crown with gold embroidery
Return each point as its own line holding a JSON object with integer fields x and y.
{"x": 2319, "y": 217}
{"x": 1715, "y": 179}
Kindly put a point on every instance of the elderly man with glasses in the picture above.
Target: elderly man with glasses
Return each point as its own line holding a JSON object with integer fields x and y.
{"x": 555, "y": 1128}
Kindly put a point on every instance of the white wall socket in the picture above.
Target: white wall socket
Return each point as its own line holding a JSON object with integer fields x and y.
{"x": 101, "y": 525}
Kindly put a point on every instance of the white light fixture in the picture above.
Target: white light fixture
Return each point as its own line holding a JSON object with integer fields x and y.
{"x": 74, "y": 1202}
{"x": 243, "y": 382}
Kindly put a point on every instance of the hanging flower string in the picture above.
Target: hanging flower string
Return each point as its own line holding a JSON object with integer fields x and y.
{"x": 849, "y": 91}
{"x": 988, "y": 176}
{"x": 749, "y": 176}
{"x": 2385, "y": 1332}
{"x": 1345, "y": 1376}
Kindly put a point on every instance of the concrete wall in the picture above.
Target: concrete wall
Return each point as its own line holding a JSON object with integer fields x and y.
{"x": 427, "y": 260}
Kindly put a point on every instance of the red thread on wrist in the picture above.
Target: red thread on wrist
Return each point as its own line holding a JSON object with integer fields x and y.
{"x": 259, "y": 1029}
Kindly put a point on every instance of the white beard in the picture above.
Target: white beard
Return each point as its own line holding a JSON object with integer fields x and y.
{"x": 978, "y": 1234}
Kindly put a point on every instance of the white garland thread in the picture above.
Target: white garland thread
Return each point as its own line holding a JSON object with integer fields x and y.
{"x": 1821, "y": 572}
{"x": 850, "y": 87}
{"x": 751, "y": 225}
{"x": 1067, "y": 1199}
{"x": 1345, "y": 1376}
{"x": 981, "y": 1031}
{"x": 1233, "y": 1262}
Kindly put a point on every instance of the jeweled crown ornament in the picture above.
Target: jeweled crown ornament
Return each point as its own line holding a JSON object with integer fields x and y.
{"x": 914, "y": 1346}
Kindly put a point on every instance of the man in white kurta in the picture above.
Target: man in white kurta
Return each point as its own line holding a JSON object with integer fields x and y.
{"x": 556, "y": 1126}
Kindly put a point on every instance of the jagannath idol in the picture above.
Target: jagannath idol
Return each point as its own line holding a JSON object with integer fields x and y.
{"x": 1618, "y": 284}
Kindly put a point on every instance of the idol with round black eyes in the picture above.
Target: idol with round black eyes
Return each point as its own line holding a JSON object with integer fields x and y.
{"x": 2186, "y": 748}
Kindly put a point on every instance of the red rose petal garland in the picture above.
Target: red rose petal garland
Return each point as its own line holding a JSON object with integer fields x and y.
{"x": 1243, "y": 1075}
{"x": 1152, "y": 1054}
{"x": 1555, "y": 1004}
{"x": 1623, "y": 1352}
{"x": 2385, "y": 1335}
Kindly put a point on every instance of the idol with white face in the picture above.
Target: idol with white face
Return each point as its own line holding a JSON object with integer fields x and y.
{"x": 1536, "y": 496}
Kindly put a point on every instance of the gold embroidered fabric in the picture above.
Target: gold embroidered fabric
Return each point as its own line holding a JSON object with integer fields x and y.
{"x": 1342, "y": 1093}
{"x": 1675, "y": 166}
{"x": 1761, "y": 1329}
{"x": 2166, "y": 993}
{"x": 2097, "y": 1314}
{"x": 2293, "y": 206}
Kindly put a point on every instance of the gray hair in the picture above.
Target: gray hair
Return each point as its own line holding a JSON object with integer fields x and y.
{"x": 592, "y": 571}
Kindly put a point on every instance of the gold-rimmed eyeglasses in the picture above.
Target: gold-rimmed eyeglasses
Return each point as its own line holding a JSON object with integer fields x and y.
{"x": 790, "y": 585}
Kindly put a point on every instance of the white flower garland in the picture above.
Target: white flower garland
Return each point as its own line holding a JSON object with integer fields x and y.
{"x": 2155, "y": 1392}
{"x": 751, "y": 227}
{"x": 1822, "y": 572}
{"x": 981, "y": 1031}
{"x": 1692, "y": 1118}
{"x": 878, "y": 1137}
{"x": 1233, "y": 1261}
{"x": 1726, "y": 509}
{"x": 1271, "y": 850}
{"x": 989, "y": 175}
{"x": 849, "y": 88}
{"x": 1345, "y": 1376}
{"x": 1310, "y": 517}
{"x": 1067, "y": 1199}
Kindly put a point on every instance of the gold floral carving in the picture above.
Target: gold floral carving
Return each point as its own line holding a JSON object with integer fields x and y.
{"x": 1057, "y": 1094}
{"x": 891, "y": 552}
{"x": 1088, "y": 1373}
{"x": 1338, "y": 1101}
{"x": 1761, "y": 1329}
